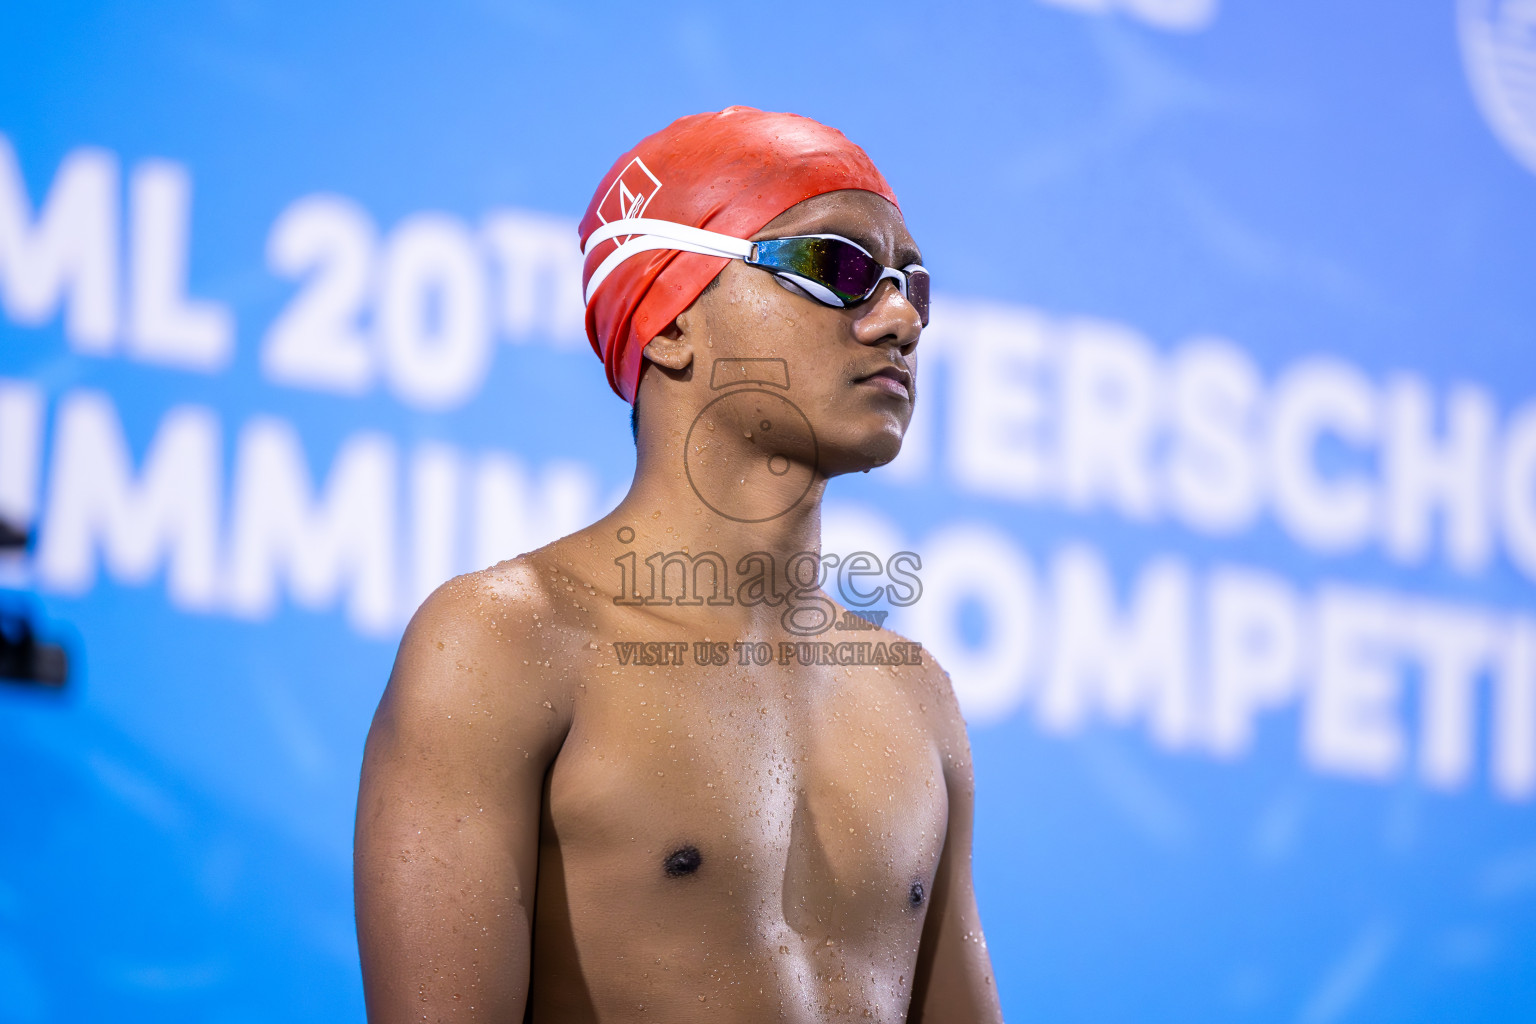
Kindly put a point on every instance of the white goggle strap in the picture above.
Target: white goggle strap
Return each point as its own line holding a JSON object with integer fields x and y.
{"x": 668, "y": 229}
{"x": 648, "y": 235}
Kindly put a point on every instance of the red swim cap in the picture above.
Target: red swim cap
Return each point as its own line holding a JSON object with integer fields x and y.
{"x": 730, "y": 172}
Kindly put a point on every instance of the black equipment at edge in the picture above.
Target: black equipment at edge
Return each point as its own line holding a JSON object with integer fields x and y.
{"x": 23, "y": 659}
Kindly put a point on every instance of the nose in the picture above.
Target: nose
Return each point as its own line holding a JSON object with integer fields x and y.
{"x": 887, "y": 318}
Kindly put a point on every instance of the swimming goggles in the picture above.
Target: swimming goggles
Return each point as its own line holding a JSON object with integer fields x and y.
{"x": 831, "y": 269}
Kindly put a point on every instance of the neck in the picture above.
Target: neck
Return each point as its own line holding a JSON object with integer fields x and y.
{"x": 704, "y": 507}
{"x": 672, "y": 507}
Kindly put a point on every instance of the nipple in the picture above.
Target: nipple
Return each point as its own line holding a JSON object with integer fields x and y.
{"x": 682, "y": 861}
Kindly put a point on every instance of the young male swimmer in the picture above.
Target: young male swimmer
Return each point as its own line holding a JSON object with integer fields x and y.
{"x": 550, "y": 829}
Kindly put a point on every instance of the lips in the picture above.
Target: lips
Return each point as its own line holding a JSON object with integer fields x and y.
{"x": 893, "y": 379}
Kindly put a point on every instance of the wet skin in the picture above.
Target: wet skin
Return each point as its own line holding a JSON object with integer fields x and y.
{"x": 543, "y": 828}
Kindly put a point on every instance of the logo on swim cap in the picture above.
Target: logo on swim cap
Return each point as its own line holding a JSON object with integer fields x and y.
{"x": 1498, "y": 40}
{"x": 629, "y": 195}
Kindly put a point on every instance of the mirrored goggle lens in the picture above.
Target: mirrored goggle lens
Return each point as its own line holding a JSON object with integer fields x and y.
{"x": 917, "y": 292}
{"x": 841, "y": 268}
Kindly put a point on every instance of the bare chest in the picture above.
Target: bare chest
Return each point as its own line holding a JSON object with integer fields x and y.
{"x": 811, "y": 797}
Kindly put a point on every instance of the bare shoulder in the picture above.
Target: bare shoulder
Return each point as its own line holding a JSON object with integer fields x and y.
{"x": 926, "y": 682}
{"x": 478, "y": 652}
{"x": 948, "y": 722}
{"x": 445, "y": 849}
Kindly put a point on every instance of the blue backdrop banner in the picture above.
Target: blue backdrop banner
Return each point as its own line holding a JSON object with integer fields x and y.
{"x": 1223, "y": 483}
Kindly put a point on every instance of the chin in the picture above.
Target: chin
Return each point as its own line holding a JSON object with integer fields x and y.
{"x": 861, "y": 451}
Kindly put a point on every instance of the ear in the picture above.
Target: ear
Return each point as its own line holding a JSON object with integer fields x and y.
{"x": 671, "y": 348}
